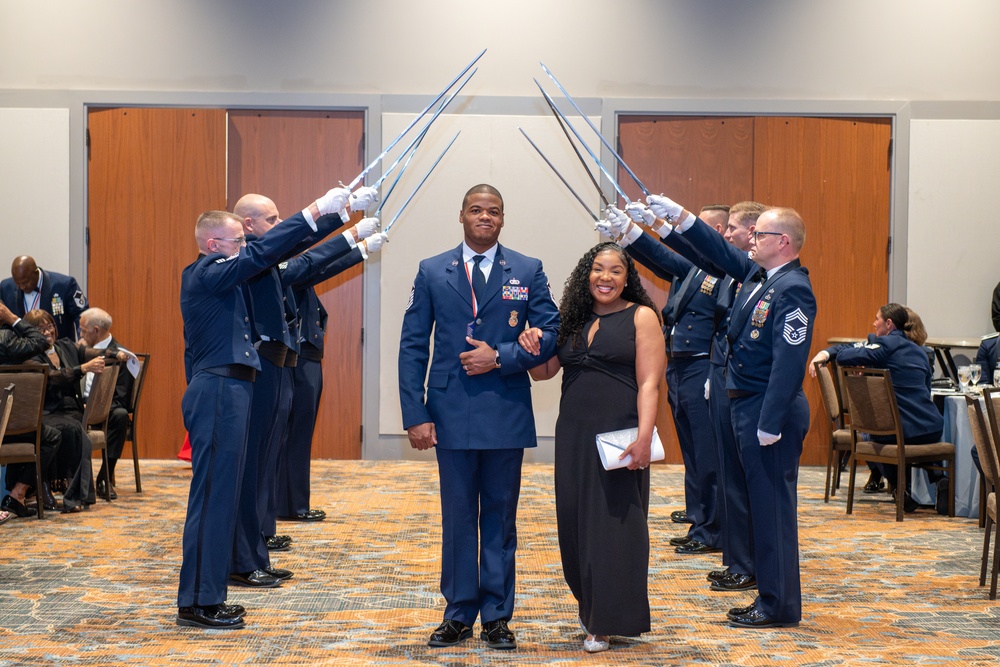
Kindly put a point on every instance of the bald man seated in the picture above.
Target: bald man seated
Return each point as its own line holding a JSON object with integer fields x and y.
{"x": 31, "y": 288}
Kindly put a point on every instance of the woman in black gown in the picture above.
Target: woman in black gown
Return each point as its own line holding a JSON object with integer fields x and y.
{"x": 611, "y": 350}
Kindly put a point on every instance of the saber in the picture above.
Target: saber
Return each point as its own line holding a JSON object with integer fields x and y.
{"x": 422, "y": 180}
{"x": 410, "y": 150}
{"x": 598, "y": 132}
{"x": 577, "y": 151}
{"x": 374, "y": 162}
{"x": 585, "y": 146}
{"x": 553, "y": 168}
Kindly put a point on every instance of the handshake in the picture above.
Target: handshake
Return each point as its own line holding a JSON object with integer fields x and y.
{"x": 623, "y": 225}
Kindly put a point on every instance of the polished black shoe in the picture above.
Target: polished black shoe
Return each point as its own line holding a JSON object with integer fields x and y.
{"x": 740, "y": 611}
{"x": 735, "y": 582}
{"x": 278, "y": 543}
{"x": 696, "y": 547}
{"x": 909, "y": 504}
{"x": 756, "y": 619}
{"x": 715, "y": 575}
{"x": 279, "y": 573}
{"x": 875, "y": 483}
{"x": 14, "y": 506}
{"x": 679, "y": 541}
{"x": 101, "y": 487}
{"x": 496, "y": 634}
{"x": 449, "y": 633}
{"x": 48, "y": 500}
{"x": 311, "y": 515}
{"x": 681, "y": 516}
{"x": 255, "y": 579}
{"x": 216, "y": 617}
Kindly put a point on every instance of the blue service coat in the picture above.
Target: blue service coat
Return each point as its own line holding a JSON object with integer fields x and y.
{"x": 60, "y": 295}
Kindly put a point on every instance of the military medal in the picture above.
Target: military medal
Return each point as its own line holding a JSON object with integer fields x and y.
{"x": 755, "y": 333}
{"x": 708, "y": 284}
{"x": 513, "y": 318}
{"x": 760, "y": 313}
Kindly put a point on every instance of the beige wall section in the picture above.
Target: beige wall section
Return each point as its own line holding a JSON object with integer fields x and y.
{"x": 541, "y": 219}
{"x": 953, "y": 254}
{"x": 34, "y": 187}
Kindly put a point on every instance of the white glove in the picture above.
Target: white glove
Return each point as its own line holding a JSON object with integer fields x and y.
{"x": 334, "y": 201}
{"x": 640, "y": 213}
{"x": 708, "y": 382}
{"x": 375, "y": 241}
{"x": 664, "y": 207}
{"x": 767, "y": 439}
{"x": 366, "y": 227}
{"x": 615, "y": 224}
{"x": 363, "y": 197}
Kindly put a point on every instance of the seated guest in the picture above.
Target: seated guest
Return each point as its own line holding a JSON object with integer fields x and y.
{"x": 95, "y": 332}
{"x": 31, "y": 288}
{"x": 20, "y": 341}
{"x": 63, "y": 409}
{"x": 986, "y": 355}
{"x": 891, "y": 347}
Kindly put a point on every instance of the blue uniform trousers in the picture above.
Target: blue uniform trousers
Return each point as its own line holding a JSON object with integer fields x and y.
{"x": 686, "y": 394}
{"x": 772, "y": 482}
{"x": 267, "y": 502}
{"x": 293, "y": 465}
{"x": 216, "y": 412}
{"x": 479, "y": 493}
{"x": 734, "y": 503}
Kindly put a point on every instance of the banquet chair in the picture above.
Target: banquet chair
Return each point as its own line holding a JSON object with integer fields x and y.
{"x": 982, "y": 436}
{"x": 24, "y": 422}
{"x": 95, "y": 416}
{"x": 840, "y": 437}
{"x": 133, "y": 415}
{"x": 871, "y": 402}
{"x": 991, "y": 396}
{"x": 6, "y": 403}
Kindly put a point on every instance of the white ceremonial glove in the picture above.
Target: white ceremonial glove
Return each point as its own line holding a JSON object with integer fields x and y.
{"x": 334, "y": 201}
{"x": 362, "y": 198}
{"x": 615, "y": 223}
{"x": 664, "y": 207}
{"x": 374, "y": 242}
{"x": 640, "y": 213}
{"x": 366, "y": 227}
{"x": 707, "y": 383}
{"x": 767, "y": 439}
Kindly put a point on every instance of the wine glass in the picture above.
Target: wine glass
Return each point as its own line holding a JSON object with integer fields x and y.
{"x": 963, "y": 378}
{"x": 975, "y": 374}
{"x": 996, "y": 377}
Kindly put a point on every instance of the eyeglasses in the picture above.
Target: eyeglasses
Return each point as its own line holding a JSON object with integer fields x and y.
{"x": 757, "y": 235}
{"x": 239, "y": 240}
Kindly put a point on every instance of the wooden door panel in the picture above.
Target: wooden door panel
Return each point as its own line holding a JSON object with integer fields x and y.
{"x": 151, "y": 172}
{"x": 292, "y": 157}
{"x": 697, "y": 162}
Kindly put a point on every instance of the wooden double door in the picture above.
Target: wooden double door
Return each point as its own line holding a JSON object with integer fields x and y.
{"x": 834, "y": 171}
{"x": 151, "y": 172}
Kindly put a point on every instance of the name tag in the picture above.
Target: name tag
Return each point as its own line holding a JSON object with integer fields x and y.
{"x": 515, "y": 293}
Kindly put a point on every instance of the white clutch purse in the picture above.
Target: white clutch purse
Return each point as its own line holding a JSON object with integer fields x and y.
{"x": 610, "y": 446}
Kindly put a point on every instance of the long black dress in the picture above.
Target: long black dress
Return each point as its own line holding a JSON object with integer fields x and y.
{"x": 601, "y": 514}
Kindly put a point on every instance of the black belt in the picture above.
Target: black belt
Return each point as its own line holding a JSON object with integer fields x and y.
{"x": 291, "y": 359}
{"x": 235, "y": 371}
{"x": 273, "y": 351}
{"x": 740, "y": 393}
{"x": 311, "y": 353}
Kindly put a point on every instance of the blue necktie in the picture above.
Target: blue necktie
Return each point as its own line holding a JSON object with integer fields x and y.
{"x": 478, "y": 279}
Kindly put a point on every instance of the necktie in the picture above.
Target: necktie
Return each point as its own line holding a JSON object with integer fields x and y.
{"x": 478, "y": 278}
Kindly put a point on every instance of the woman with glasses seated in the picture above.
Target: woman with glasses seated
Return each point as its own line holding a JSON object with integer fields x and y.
{"x": 897, "y": 346}
{"x": 68, "y": 364}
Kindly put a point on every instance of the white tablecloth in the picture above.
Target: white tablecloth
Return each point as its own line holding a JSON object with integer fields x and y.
{"x": 958, "y": 431}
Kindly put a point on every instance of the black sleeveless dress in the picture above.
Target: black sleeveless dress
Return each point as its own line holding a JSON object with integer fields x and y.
{"x": 601, "y": 514}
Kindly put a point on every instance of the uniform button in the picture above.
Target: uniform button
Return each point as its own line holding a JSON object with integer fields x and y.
{"x": 246, "y": 319}
{"x": 690, "y": 327}
{"x": 687, "y": 341}
{"x": 740, "y": 365}
{"x": 246, "y": 336}
{"x": 246, "y": 354}
{"x": 317, "y": 322}
{"x": 478, "y": 321}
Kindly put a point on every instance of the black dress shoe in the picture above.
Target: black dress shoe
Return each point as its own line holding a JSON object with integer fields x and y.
{"x": 449, "y": 633}
{"x": 255, "y": 579}
{"x": 740, "y": 611}
{"x": 496, "y": 634}
{"x": 216, "y": 616}
{"x": 101, "y": 487}
{"x": 680, "y": 516}
{"x": 48, "y": 500}
{"x": 875, "y": 484}
{"x": 277, "y": 543}
{"x": 756, "y": 619}
{"x": 679, "y": 541}
{"x": 696, "y": 547}
{"x": 715, "y": 575}
{"x": 234, "y": 609}
{"x": 735, "y": 582}
{"x": 278, "y": 573}
{"x": 311, "y": 515}
{"x": 14, "y": 506}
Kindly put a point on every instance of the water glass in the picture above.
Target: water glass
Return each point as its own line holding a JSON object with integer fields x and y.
{"x": 996, "y": 377}
{"x": 975, "y": 374}
{"x": 963, "y": 378}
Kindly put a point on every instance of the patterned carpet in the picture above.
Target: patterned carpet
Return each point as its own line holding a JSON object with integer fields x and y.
{"x": 99, "y": 588}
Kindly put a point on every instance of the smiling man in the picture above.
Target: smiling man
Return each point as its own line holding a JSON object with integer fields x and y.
{"x": 476, "y": 299}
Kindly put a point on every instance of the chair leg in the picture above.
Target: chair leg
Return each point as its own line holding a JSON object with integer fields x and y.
{"x": 39, "y": 489}
{"x": 106, "y": 474}
{"x": 996, "y": 564}
{"x": 135, "y": 465}
{"x": 986, "y": 551}
{"x": 850, "y": 485}
{"x": 951, "y": 488}
{"x": 829, "y": 473}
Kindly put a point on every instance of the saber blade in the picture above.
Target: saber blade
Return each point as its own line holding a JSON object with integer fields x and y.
{"x": 583, "y": 162}
{"x": 556, "y": 171}
{"x": 422, "y": 180}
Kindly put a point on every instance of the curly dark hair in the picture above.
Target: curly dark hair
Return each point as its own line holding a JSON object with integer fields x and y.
{"x": 577, "y": 305}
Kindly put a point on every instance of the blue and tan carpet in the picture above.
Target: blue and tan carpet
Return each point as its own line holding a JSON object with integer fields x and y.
{"x": 99, "y": 588}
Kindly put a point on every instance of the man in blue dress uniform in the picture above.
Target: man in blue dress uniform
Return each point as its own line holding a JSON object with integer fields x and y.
{"x": 475, "y": 299}
{"x": 221, "y": 363}
{"x": 31, "y": 288}
{"x": 769, "y": 335}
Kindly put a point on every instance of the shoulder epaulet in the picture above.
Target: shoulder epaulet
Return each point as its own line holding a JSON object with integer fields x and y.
{"x": 992, "y": 335}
